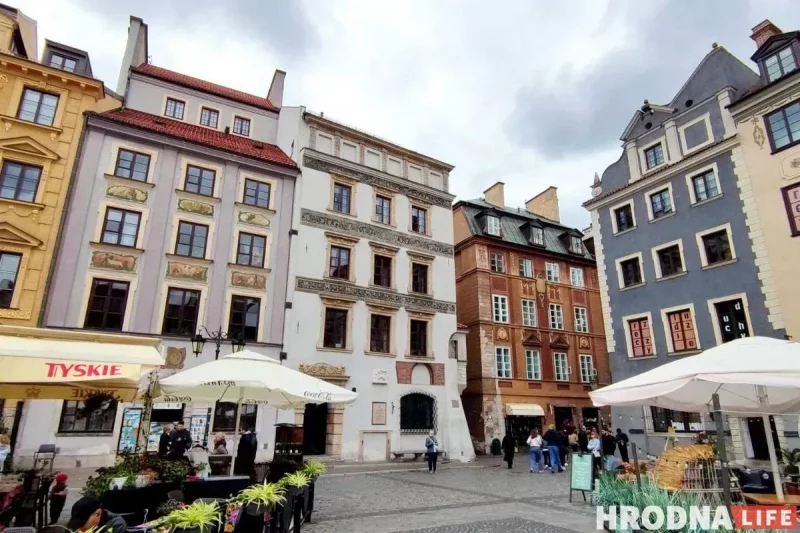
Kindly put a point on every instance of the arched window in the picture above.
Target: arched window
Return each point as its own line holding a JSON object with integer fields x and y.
{"x": 417, "y": 413}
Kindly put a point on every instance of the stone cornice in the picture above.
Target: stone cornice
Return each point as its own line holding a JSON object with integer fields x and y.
{"x": 373, "y": 232}
{"x": 767, "y": 99}
{"x": 376, "y": 178}
{"x": 372, "y": 295}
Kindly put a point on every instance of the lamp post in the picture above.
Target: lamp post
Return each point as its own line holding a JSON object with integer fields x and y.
{"x": 218, "y": 338}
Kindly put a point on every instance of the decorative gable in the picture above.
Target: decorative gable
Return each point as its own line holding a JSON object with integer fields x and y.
{"x": 28, "y": 147}
{"x": 10, "y": 234}
{"x": 532, "y": 338}
{"x": 559, "y": 341}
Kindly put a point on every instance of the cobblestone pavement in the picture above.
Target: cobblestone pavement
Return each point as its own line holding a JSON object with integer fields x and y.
{"x": 487, "y": 497}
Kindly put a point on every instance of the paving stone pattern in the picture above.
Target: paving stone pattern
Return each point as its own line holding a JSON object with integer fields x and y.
{"x": 518, "y": 525}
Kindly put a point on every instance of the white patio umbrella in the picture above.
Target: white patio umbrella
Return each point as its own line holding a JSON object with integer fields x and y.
{"x": 750, "y": 376}
{"x": 249, "y": 378}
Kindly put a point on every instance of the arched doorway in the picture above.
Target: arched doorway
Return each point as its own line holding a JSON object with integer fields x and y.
{"x": 315, "y": 428}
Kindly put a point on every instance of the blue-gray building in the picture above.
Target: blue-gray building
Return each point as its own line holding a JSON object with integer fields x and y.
{"x": 673, "y": 244}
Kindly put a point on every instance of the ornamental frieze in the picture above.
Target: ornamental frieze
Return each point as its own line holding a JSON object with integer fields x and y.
{"x": 406, "y": 189}
{"x": 330, "y": 288}
{"x": 198, "y": 208}
{"x": 187, "y": 271}
{"x": 253, "y": 218}
{"x": 114, "y": 261}
{"x": 373, "y": 232}
{"x": 127, "y": 193}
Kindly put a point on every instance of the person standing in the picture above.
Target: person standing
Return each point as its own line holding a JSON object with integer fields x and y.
{"x": 164, "y": 440}
{"x": 583, "y": 439}
{"x": 245, "y": 463}
{"x": 594, "y": 448}
{"x": 509, "y": 449}
{"x": 553, "y": 440}
{"x": 535, "y": 452}
{"x": 431, "y": 451}
{"x": 609, "y": 446}
{"x": 180, "y": 443}
{"x": 622, "y": 444}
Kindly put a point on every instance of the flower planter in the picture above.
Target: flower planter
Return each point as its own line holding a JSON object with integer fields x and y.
{"x": 309, "y": 501}
{"x": 117, "y": 483}
{"x": 256, "y": 509}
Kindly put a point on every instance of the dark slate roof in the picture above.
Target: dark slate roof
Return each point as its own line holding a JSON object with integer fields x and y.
{"x": 511, "y": 222}
{"x": 772, "y": 44}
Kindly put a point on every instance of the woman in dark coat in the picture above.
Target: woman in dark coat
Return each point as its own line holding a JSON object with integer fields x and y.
{"x": 245, "y": 464}
{"x": 509, "y": 448}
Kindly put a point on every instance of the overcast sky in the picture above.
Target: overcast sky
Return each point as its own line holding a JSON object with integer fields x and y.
{"x": 526, "y": 92}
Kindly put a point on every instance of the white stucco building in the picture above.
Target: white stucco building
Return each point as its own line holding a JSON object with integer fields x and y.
{"x": 372, "y": 292}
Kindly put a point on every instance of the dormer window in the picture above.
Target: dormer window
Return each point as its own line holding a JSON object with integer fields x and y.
{"x": 537, "y": 236}
{"x": 654, "y": 156}
{"x": 575, "y": 245}
{"x": 493, "y": 226}
{"x": 779, "y": 64}
{"x": 62, "y": 62}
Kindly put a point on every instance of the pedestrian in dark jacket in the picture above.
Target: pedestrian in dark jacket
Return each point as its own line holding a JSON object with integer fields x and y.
{"x": 88, "y": 513}
{"x": 583, "y": 439}
{"x": 180, "y": 442}
{"x": 609, "y": 443}
{"x": 622, "y": 444}
{"x": 58, "y": 496}
{"x": 164, "y": 440}
{"x": 553, "y": 440}
{"x": 245, "y": 464}
{"x": 509, "y": 449}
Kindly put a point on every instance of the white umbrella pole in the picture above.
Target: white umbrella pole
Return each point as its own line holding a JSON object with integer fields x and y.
{"x": 236, "y": 437}
{"x": 773, "y": 456}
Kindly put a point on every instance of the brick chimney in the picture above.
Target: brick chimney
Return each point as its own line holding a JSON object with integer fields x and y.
{"x": 275, "y": 94}
{"x": 496, "y": 195}
{"x": 764, "y": 31}
{"x": 545, "y": 204}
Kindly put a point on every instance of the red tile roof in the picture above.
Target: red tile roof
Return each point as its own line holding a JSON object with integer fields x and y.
{"x": 200, "y": 135}
{"x": 205, "y": 86}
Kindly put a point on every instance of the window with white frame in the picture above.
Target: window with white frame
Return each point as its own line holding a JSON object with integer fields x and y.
{"x": 575, "y": 245}
{"x": 525, "y": 267}
{"x": 581, "y": 320}
{"x": 533, "y": 365}
{"x": 654, "y": 156}
{"x": 561, "y": 367}
{"x": 503, "y": 362}
{"x": 497, "y": 262}
{"x": 500, "y": 308}
{"x": 587, "y": 368}
{"x": 553, "y": 272}
{"x": 493, "y": 226}
{"x": 556, "y": 316}
{"x": 537, "y": 236}
{"x": 529, "y": 313}
{"x": 576, "y": 277}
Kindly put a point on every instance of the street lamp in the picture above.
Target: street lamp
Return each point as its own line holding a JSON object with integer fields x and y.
{"x": 218, "y": 337}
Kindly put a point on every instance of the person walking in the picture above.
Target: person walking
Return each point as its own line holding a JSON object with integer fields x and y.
{"x": 583, "y": 439}
{"x": 594, "y": 448}
{"x": 553, "y": 440}
{"x": 608, "y": 444}
{"x": 180, "y": 442}
{"x": 622, "y": 444}
{"x": 431, "y": 451}
{"x": 535, "y": 452}
{"x": 509, "y": 449}
{"x": 572, "y": 441}
{"x": 164, "y": 440}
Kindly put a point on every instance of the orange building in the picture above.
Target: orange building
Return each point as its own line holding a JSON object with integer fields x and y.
{"x": 528, "y": 293}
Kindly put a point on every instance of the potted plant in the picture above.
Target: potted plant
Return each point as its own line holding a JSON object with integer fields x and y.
{"x": 313, "y": 469}
{"x": 198, "y": 517}
{"x": 295, "y": 485}
{"x": 260, "y": 498}
{"x": 791, "y": 460}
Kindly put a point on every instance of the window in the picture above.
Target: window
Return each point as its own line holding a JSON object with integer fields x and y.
{"x": 500, "y": 308}
{"x": 419, "y": 338}
{"x": 780, "y": 64}
{"x": 107, "y": 301}
{"x": 575, "y": 245}
{"x": 382, "y": 271}
{"x": 624, "y": 218}
{"x": 525, "y": 267}
{"x": 537, "y": 236}
{"x": 631, "y": 270}
{"x": 533, "y": 364}
{"x": 225, "y": 417}
{"x": 341, "y": 198}
{"x": 581, "y": 320}
{"x": 417, "y": 414}
{"x": 654, "y": 156}
{"x": 9, "y": 268}
{"x": 383, "y": 210}
{"x": 503, "y": 362}
{"x": 191, "y": 240}
{"x": 556, "y": 316}
{"x": 256, "y": 193}
{"x": 681, "y": 330}
{"x": 497, "y": 262}
{"x": 251, "y": 250}
{"x": 705, "y": 186}
{"x": 683, "y": 422}
{"x": 732, "y": 320}
{"x": 791, "y": 198}
{"x": 335, "y": 334}
{"x": 553, "y": 272}
{"x": 576, "y": 277}
{"x": 587, "y": 368}
{"x": 529, "y": 313}
{"x": 784, "y": 126}
{"x": 394, "y": 166}
{"x": 493, "y": 226}
{"x": 661, "y": 203}
{"x": 379, "y": 333}
{"x": 180, "y": 316}
{"x": 349, "y": 151}
{"x": 669, "y": 260}
{"x": 75, "y": 420}
{"x": 62, "y": 62}
{"x": 241, "y": 126}
{"x": 372, "y": 158}
{"x": 418, "y": 219}
{"x": 339, "y": 265}
{"x": 641, "y": 337}
{"x": 243, "y": 320}
{"x": 38, "y": 107}
{"x": 200, "y": 180}
{"x": 419, "y": 278}
{"x": 19, "y": 182}
{"x": 717, "y": 247}
{"x": 120, "y": 227}
{"x": 132, "y": 165}
{"x": 175, "y": 108}
{"x": 561, "y": 366}
{"x": 209, "y": 117}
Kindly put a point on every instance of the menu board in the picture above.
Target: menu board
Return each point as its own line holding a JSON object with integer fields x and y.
{"x": 153, "y": 436}
{"x": 580, "y": 472}
{"x": 199, "y": 429}
{"x": 128, "y": 433}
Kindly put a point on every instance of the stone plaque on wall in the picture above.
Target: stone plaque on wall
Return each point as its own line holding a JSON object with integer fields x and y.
{"x": 380, "y": 376}
{"x": 378, "y": 413}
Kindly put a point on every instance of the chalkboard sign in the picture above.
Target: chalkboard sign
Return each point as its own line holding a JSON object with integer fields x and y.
{"x": 581, "y": 475}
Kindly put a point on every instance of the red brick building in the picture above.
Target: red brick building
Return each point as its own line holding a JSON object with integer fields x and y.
{"x": 527, "y": 291}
